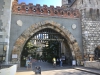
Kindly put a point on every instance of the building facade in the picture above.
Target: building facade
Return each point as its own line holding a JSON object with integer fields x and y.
{"x": 77, "y": 21}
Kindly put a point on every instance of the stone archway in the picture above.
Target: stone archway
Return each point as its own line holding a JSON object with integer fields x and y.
{"x": 20, "y": 42}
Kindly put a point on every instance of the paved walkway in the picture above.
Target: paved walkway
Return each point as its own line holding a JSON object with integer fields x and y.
{"x": 48, "y": 69}
{"x": 95, "y": 71}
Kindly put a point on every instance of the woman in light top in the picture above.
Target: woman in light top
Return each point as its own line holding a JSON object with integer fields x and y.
{"x": 27, "y": 63}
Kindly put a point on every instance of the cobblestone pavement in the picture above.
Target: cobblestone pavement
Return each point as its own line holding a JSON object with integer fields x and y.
{"x": 48, "y": 69}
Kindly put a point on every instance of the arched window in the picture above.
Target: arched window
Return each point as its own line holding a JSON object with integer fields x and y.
{"x": 41, "y": 10}
{"x": 75, "y": 14}
{"x": 89, "y": 1}
{"x": 19, "y": 8}
{"x": 69, "y": 1}
{"x": 68, "y": 13}
{"x": 91, "y": 11}
{"x": 55, "y": 12}
{"x": 98, "y": 12}
{"x": 48, "y": 11}
{"x": 97, "y": 53}
{"x": 62, "y": 13}
{"x": 34, "y": 10}
{"x": 82, "y": 1}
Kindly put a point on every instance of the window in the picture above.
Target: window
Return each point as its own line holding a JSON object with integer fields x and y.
{"x": 1, "y": 36}
{"x": 82, "y": 1}
{"x": 62, "y": 12}
{"x": 48, "y": 11}
{"x": 55, "y": 12}
{"x": 98, "y": 12}
{"x": 34, "y": 10}
{"x": 69, "y": 1}
{"x": 74, "y": 14}
{"x": 97, "y": 53}
{"x": 18, "y": 8}
{"x": 68, "y": 13}
{"x": 91, "y": 11}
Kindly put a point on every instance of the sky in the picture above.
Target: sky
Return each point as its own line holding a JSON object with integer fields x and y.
{"x": 43, "y": 2}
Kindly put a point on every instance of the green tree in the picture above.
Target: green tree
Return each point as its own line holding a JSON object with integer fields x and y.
{"x": 52, "y": 50}
{"x": 29, "y": 48}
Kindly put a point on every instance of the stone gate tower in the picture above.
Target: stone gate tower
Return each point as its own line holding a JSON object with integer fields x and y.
{"x": 90, "y": 17}
{"x": 67, "y": 3}
{"x": 90, "y": 22}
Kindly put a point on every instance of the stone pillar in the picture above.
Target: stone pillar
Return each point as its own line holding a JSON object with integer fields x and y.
{"x": 6, "y": 22}
{"x": 60, "y": 48}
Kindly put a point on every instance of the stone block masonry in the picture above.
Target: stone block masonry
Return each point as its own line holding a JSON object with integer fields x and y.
{"x": 5, "y": 20}
{"x": 90, "y": 32}
{"x": 1, "y": 13}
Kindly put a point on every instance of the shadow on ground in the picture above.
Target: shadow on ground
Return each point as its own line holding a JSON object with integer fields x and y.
{"x": 44, "y": 67}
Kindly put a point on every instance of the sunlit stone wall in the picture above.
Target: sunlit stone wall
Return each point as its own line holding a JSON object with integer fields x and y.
{"x": 90, "y": 33}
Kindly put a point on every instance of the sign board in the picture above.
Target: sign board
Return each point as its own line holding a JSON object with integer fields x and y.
{"x": 5, "y": 47}
{"x": 74, "y": 62}
{"x": 38, "y": 70}
{"x": 14, "y": 55}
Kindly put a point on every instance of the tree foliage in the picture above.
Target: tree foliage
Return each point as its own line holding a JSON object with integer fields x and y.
{"x": 52, "y": 50}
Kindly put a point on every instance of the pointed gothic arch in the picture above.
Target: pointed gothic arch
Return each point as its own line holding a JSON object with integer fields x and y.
{"x": 20, "y": 42}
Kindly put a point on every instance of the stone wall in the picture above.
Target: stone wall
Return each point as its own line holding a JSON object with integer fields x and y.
{"x": 91, "y": 33}
{"x": 80, "y": 4}
{"x": 5, "y": 20}
{"x": 92, "y": 64}
{"x": 28, "y": 21}
{"x": 1, "y": 28}
{"x": 1, "y": 13}
{"x": 21, "y": 40}
{"x": 90, "y": 17}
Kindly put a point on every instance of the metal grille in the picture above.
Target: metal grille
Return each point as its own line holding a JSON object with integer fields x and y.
{"x": 47, "y": 35}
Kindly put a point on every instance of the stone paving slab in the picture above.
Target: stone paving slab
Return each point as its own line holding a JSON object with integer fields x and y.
{"x": 57, "y": 72}
{"x": 48, "y": 69}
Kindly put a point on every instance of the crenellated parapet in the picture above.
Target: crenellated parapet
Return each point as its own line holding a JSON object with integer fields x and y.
{"x": 44, "y": 10}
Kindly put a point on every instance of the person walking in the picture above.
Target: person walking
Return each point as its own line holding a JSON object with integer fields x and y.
{"x": 27, "y": 63}
{"x": 30, "y": 58}
{"x": 57, "y": 62}
{"x": 60, "y": 62}
{"x": 54, "y": 62}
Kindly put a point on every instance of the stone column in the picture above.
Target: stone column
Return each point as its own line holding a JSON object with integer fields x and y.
{"x": 6, "y": 22}
{"x": 60, "y": 48}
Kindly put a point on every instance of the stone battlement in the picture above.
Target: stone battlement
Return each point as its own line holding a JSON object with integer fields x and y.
{"x": 44, "y": 10}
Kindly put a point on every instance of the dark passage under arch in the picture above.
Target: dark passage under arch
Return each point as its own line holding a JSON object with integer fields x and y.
{"x": 46, "y": 44}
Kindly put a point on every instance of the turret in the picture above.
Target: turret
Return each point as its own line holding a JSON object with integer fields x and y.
{"x": 67, "y": 3}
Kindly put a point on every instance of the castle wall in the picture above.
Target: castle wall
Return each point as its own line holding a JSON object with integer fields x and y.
{"x": 1, "y": 29}
{"x": 87, "y": 30}
{"x": 28, "y": 20}
{"x": 81, "y": 4}
{"x": 91, "y": 33}
{"x": 5, "y": 20}
{"x": 90, "y": 17}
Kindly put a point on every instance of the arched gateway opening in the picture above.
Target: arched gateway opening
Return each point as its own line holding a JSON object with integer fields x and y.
{"x": 46, "y": 44}
{"x": 50, "y": 35}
